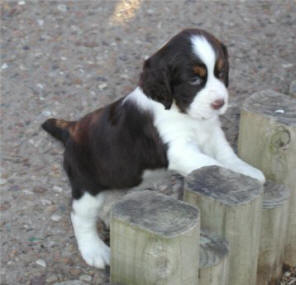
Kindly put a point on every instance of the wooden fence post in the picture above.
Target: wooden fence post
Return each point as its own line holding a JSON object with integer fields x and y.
{"x": 273, "y": 233}
{"x": 267, "y": 140}
{"x": 230, "y": 205}
{"x": 154, "y": 240}
{"x": 213, "y": 260}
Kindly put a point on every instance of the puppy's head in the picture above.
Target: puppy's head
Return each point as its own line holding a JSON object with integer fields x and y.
{"x": 190, "y": 71}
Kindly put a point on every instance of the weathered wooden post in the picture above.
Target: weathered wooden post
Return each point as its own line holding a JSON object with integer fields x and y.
{"x": 154, "y": 240}
{"x": 213, "y": 260}
{"x": 273, "y": 233}
{"x": 165, "y": 182}
{"x": 230, "y": 205}
{"x": 267, "y": 140}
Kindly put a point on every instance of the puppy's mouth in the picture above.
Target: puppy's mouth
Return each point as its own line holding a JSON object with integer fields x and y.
{"x": 210, "y": 114}
{"x": 203, "y": 117}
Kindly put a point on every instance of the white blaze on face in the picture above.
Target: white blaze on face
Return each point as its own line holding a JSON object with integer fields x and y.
{"x": 214, "y": 89}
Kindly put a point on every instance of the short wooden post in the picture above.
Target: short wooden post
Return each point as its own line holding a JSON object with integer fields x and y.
{"x": 166, "y": 182}
{"x": 273, "y": 233}
{"x": 154, "y": 240}
{"x": 213, "y": 260}
{"x": 230, "y": 205}
{"x": 267, "y": 140}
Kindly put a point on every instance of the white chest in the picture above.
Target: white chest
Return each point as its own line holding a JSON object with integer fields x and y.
{"x": 176, "y": 128}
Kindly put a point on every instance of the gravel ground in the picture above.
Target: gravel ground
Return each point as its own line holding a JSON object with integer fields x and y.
{"x": 65, "y": 59}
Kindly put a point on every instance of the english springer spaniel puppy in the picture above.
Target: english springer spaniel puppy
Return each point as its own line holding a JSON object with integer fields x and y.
{"x": 170, "y": 121}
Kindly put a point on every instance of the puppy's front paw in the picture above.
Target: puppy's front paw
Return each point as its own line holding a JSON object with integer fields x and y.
{"x": 95, "y": 253}
{"x": 257, "y": 174}
{"x": 251, "y": 171}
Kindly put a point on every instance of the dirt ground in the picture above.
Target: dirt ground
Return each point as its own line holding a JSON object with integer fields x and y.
{"x": 66, "y": 58}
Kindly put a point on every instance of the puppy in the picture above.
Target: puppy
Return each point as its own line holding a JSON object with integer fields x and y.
{"x": 170, "y": 121}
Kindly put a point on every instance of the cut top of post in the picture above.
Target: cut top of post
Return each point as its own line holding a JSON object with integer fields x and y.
{"x": 156, "y": 213}
{"x": 229, "y": 187}
{"x": 272, "y": 104}
{"x": 274, "y": 195}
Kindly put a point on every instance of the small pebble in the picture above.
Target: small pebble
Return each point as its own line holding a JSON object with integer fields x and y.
{"x": 31, "y": 239}
{"x": 287, "y": 65}
{"x": 102, "y": 86}
{"x": 51, "y": 278}
{"x": 39, "y": 189}
{"x": 124, "y": 76}
{"x": 57, "y": 189}
{"x": 162, "y": 187}
{"x": 41, "y": 262}
{"x": 27, "y": 192}
{"x": 280, "y": 111}
{"x": 4, "y": 66}
{"x": 46, "y": 202}
{"x": 40, "y": 22}
{"x": 62, "y": 8}
{"x": 85, "y": 277}
{"x": 2, "y": 181}
{"x": 75, "y": 271}
{"x": 21, "y": 3}
{"x": 41, "y": 86}
{"x": 55, "y": 217}
{"x": 46, "y": 113}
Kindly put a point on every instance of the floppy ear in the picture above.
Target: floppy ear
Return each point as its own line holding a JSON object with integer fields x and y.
{"x": 155, "y": 81}
{"x": 225, "y": 52}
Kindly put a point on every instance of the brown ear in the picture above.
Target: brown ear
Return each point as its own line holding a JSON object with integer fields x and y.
{"x": 155, "y": 81}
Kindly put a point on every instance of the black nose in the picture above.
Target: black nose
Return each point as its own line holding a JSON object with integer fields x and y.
{"x": 217, "y": 104}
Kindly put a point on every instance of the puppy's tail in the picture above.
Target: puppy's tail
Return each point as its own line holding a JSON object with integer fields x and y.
{"x": 60, "y": 129}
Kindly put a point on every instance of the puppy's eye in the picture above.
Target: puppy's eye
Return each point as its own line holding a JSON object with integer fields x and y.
{"x": 196, "y": 80}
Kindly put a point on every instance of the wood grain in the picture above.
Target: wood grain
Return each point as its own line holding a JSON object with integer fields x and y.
{"x": 267, "y": 140}
{"x": 230, "y": 205}
{"x": 154, "y": 240}
{"x": 213, "y": 260}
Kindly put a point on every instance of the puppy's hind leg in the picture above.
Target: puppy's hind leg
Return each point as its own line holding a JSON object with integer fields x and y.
{"x": 84, "y": 216}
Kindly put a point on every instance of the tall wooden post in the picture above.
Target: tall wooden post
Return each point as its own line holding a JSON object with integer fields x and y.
{"x": 267, "y": 140}
{"x": 230, "y": 205}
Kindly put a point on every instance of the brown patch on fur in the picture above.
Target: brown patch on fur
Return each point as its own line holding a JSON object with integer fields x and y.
{"x": 70, "y": 126}
{"x": 95, "y": 116}
{"x": 80, "y": 130}
{"x": 74, "y": 132}
{"x": 63, "y": 124}
{"x": 200, "y": 71}
{"x": 220, "y": 64}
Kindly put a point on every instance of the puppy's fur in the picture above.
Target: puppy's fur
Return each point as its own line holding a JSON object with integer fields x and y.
{"x": 170, "y": 121}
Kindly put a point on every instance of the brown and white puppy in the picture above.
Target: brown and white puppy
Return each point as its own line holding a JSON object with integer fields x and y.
{"x": 170, "y": 121}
